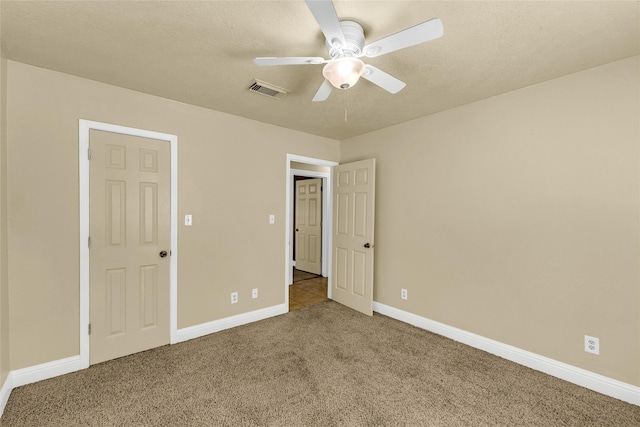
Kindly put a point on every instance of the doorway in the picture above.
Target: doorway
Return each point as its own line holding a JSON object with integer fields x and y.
{"x": 308, "y": 286}
{"x": 352, "y": 273}
{"x": 309, "y": 168}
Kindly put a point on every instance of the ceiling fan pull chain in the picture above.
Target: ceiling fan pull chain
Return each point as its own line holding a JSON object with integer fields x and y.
{"x": 345, "y": 107}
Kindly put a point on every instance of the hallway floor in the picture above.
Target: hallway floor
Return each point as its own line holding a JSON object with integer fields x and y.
{"x": 307, "y": 290}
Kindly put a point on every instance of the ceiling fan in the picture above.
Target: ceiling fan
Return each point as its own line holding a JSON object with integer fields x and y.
{"x": 345, "y": 44}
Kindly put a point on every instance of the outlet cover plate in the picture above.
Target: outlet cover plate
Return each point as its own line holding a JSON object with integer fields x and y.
{"x": 591, "y": 344}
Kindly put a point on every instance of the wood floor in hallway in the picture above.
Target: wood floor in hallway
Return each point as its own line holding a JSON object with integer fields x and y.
{"x": 307, "y": 290}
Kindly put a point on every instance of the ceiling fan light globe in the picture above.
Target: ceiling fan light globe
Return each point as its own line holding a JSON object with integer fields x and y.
{"x": 343, "y": 72}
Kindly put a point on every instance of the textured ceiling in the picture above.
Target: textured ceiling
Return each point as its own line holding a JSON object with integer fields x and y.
{"x": 201, "y": 52}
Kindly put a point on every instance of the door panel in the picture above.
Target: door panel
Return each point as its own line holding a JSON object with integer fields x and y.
{"x": 115, "y": 209}
{"x": 353, "y": 238}
{"x": 148, "y": 213}
{"x": 115, "y": 301}
{"x": 148, "y": 296}
{"x": 129, "y": 226}
{"x": 309, "y": 225}
{"x": 359, "y": 273}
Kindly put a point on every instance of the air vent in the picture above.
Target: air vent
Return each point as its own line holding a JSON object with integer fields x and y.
{"x": 267, "y": 89}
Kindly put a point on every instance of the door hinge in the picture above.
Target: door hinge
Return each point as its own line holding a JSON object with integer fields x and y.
{"x": 89, "y": 328}
{"x": 89, "y": 154}
{"x": 89, "y": 242}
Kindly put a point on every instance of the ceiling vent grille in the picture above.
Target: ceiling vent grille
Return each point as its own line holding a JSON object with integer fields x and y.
{"x": 267, "y": 89}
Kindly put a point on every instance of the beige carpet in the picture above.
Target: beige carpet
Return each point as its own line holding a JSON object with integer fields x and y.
{"x": 323, "y": 365}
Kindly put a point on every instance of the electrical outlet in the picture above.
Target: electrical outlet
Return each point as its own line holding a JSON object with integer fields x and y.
{"x": 591, "y": 344}
{"x": 403, "y": 294}
{"x": 254, "y": 293}
{"x": 234, "y": 297}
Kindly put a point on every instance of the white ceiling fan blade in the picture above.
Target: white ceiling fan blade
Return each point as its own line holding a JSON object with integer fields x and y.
{"x": 382, "y": 79}
{"x": 412, "y": 36}
{"x": 293, "y": 60}
{"x": 323, "y": 93}
{"x": 327, "y": 18}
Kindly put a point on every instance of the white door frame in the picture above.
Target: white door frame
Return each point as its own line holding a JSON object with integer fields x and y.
{"x": 327, "y": 215}
{"x": 85, "y": 126}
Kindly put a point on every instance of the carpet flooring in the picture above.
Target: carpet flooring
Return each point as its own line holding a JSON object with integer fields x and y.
{"x": 323, "y": 365}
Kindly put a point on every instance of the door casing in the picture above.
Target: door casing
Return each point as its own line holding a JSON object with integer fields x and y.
{"x": 85, "y": 126}
{"x": 327, "y": 209}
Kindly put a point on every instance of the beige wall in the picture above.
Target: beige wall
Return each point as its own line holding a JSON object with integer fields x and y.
{"x": 517, "y": 217}
{"x": 4, "y": 284}
{"x": 308, "y": 167}
{"x": 230, "y": 247}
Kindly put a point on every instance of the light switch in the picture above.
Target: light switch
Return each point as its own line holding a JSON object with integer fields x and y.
{"x": 272, "y": 219}
{"x": 188, "y": 221}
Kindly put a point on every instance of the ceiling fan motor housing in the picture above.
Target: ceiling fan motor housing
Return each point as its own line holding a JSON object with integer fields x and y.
{"x": 354, "y": 35}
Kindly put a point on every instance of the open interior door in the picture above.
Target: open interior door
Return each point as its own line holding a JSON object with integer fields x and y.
{"x": 353, "y": 240}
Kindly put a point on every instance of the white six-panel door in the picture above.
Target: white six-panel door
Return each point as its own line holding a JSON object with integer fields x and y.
{"x": 353, "y": 234}
{"x": 309, "y": 225}
{"x": 129, "y": 254}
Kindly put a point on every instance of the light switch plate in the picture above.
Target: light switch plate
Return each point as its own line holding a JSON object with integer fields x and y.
{"x": 188, "y": 220}
{"x": 272, "y": 219}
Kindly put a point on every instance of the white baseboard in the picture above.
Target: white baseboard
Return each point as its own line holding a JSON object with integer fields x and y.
{"x": 605, "y": 385}
{"x": 203, "y": 329}
{"x": 45, "y": 371}
{"x": 5, "y": 392}
{"x": 596, "y": 382}
{"x": 35, "y": 373}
